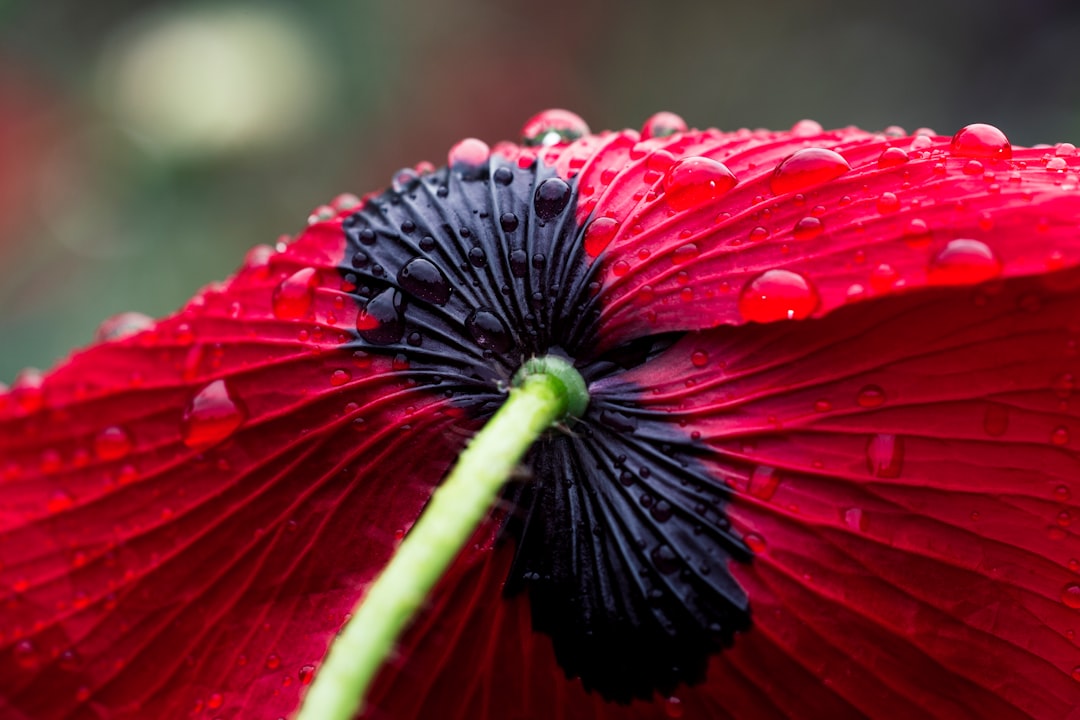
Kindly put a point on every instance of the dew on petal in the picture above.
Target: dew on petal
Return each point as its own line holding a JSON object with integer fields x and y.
{"x": 1060, "y": 436}
{"x": 806, "y": 168}
{"x": 422, "y": 279}
{"x": 892, "y": 157}
{"x": 806, "y": 128}
{"x": 59, "y": 501}
{"x": 123, "y": 325}
{"x": 854, "y": 518}
{"x": 488, "y": 330}
{"x": 755, "y": 542}
{"x": 598, "y": 235}
{"x": 1070, "y": 595}
{"x": 553, "y": 127}
{"x": 293, "y": 297}
{"x": 964, "y": 262}
{"x": 808, "y": 228}
{"x": 696, "y": 180}
{"x": 112, "y": 443}
{"x": 778, "y": 295}
{"x": 699, "y": 358}
{"x": 917, "y": 234}
{"x": 339, "y": 377}
{"x": 28, "y": 389}
{"x": 210, "y": 417}
{"x": 665, "y": 560}
{"x": 870, "y": 396}
{"x": 888, "y": 203}
{"x": 981, "y": 141}
{"x": 380, "y": 321}
{"x": 764, "y": 481}
{"x": 885, "y": 455}
{"x": 661, "y": 125}
{"x": 26, "y": 655}
{"x": 551, "y": 198}
{"x": 470, "y": 153}
{"x": 306, "y": 674}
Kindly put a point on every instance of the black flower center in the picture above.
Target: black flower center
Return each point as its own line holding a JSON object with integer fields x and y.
{"x": 621, "y": 536}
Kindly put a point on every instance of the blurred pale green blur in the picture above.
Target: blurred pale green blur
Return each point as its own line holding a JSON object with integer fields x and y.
{"x": 144, "y": 146}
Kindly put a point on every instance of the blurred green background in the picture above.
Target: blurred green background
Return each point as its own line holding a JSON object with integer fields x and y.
{"x": 144, "y": 146}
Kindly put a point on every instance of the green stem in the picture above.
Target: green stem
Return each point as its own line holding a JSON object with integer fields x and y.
{"x": 546, "y": 391}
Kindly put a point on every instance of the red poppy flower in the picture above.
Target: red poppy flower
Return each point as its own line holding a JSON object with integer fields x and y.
{"x": 828, "y": 469}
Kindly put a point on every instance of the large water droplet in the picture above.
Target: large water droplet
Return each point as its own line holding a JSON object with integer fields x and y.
{"x": 662, "y": 124}
{"x": 551, "y": 198}
{"x": 778, "y": 295}
{"x": 210, "y": 417}
{"x": 806, "y": 168}
{"x": 696, "y": 180}
{"x": 870, "y": 396}
{"x": 964, "y": 262}
{"x": 981, "y": 141}
{"x": 112, "y": 443}
{"x": 553, "y": 127}
{"x": 892, "y": 157}
{"x": 598, "y": 235}
{"x": 885, "y": 455}
{"x": 293, "y": 297}
{"x": 488, "y": 330}
{"x": 381, "y": 321}
{"x": 423, "y": 280}
{"x": 808, "y": 228}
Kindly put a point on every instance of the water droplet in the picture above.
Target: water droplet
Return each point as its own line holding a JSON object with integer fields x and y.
{"x": 665, "y": 559}
{"x": 504, "y": 176}
{"x": 293, "y": 297}
{"x": 963, "y": 262}
{"x": 519, "y": 263}
{"x": 210, "y": 417}
{"x": 755, "y": 542}
{"x": 673, "y": 708}
{"x": 888, "y": 203}
{"x": 1060, "y": 436}
{"x": 981, "y": 141}
{"x": 477, "y": 257}
{"x": 699, "y": 358}
{"x": 892, "y": 157}
{"x": 696, "y": 180}
{"x": 469, "y": 154}
{"x": 763, "y": 482}
{"x": 854, "y": 518}
{"x": 1064, "y": 385}
{"x": 306, "y": 674}
{"x": 1056, "y": 165}
{"x": 112, "y": 443}
{"x": 917, "y": 234}
{"x": 123, "y": 325}
{"x": 808, "y": 228}
{"x": 59, "y": 501}
{"x": 28, "y": 389}
{"x": 778, "y": 295}
{"x": 381, "y": 322}
{"x": 996, "y": 420}
{"x": 508, "y": 221}
{"x": 806, "y": 168}
{"x": 661, "y": 125}
{"x": 1070, "y": 595}
{"x": 661, "y": 511}
{"x": 26, "y": 655}
{"x": 488, "y": 330}
{"x": 551, "y": 198}
{"x": 553, "y": 127}
{"x": 685, "y": 253}
{"x": 339, "y": 378}
{"x": 870, "y": 396}
{"x": 806, "y": 128}
{"x": 885, "y": 455}
{"x": 598, "y": 235}
{"x": 423, "y": 280}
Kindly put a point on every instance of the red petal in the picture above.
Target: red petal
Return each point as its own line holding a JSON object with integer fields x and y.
{"x": 907, "y": 473}
{"x": 844, "y": 215}
{"x": 188, "y": 514}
